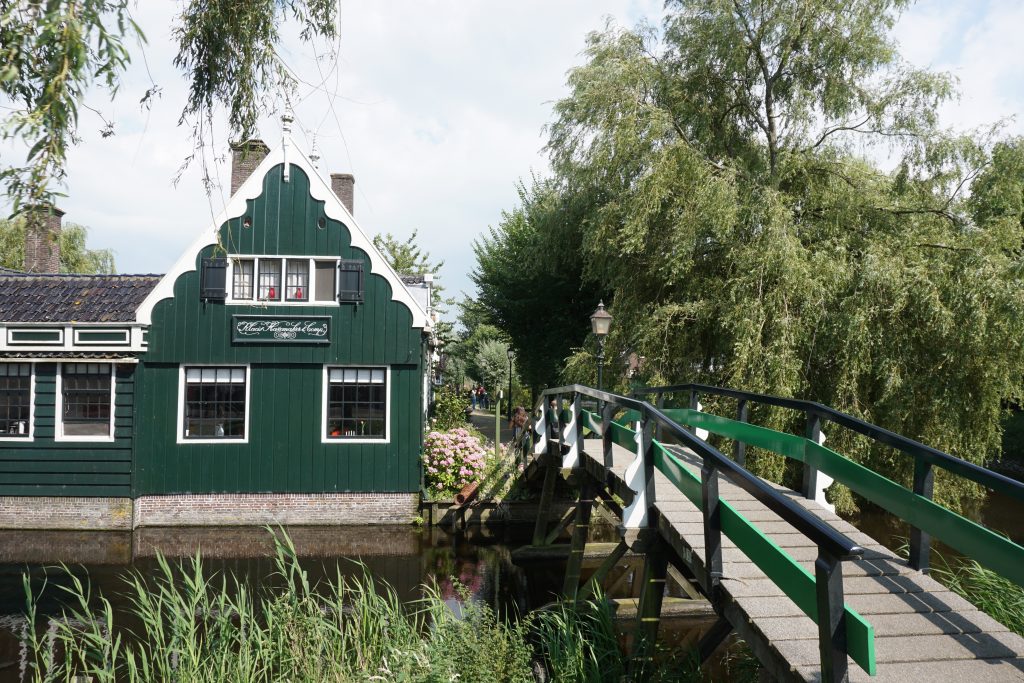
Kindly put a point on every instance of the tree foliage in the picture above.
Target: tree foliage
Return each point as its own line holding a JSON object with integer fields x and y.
{"x": 530, "y": 281}
{"x": 712, "y": 179}
{"x": 75, "y": 256}
{"x": 52, "y": 53}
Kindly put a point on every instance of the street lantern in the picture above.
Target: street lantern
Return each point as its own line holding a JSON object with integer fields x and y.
{"x": 511, "y": 354}
{"x": 600, "y": 324}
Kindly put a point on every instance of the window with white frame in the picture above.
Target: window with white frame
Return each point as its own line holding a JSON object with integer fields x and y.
{"x": 15, "y": 399}
{"x": 242, "y": 276}
{"x": 270, "y": 279}
{"x": 356, "y": 403}
{"x": 296, "y": 280}
{"x": 87, "y": 399}
{"x": 214, "y": 403}
{"x": 283, "y": 279}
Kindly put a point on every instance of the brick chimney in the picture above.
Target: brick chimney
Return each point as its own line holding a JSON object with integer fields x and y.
{"x": 42, "y": 233}
{"x": 344, "y": 185}
{"x": 245, "y": 157}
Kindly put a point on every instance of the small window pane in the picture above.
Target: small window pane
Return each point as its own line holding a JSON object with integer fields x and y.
{"x": 192, "y": 375}
{"x": 242, "y": 279}
{"x": 86, "y": 399}
{"x": 270, "y": 280}
{"x": 356, "y": 403}
{"x": 215, "y": 404}
{"x": 325, "y": 283}
{"x": 297, "y": 280}
{"x": 15, "y": 399}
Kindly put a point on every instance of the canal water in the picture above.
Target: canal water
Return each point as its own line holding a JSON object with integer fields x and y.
{"x": 478, "y": 563}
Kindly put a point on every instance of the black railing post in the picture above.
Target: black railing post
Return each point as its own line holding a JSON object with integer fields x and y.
{"x": 659, "y": 403}
{"x": 739, "y": 448}
{"x": 647, "y": 451}
{"x": 694, "y": 402}
{"x": 828, "y": 579}
{"x": 810, "y": 478}
{"x": 606, "y": 434}
{"x": 712, "y": 528}
{"x": 920, "y": 541}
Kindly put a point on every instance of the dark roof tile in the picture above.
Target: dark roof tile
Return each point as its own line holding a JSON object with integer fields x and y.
{"x": 31, "y": 298}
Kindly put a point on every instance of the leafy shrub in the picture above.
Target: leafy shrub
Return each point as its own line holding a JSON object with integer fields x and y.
{"x": 449, "y": 409}
{"x": 452, "y": 459}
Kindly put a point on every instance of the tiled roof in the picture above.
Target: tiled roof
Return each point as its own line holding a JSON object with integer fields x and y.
{"x": 31, "y": 298}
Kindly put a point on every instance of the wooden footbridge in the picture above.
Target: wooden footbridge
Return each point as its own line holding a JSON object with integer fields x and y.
{"x": 815, "y": 599}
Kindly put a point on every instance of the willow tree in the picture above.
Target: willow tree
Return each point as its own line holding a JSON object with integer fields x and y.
{"x": 53, "y": 54}
{"x": 750, "y": 239}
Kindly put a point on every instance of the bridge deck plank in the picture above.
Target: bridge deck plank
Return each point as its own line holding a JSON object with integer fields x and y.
{"x": 922, "y": 629}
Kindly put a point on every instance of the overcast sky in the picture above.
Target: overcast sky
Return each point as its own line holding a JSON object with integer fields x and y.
{"x": 439, "y": 111}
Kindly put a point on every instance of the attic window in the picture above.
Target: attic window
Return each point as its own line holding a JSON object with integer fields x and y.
{"x": 285, "y": 280}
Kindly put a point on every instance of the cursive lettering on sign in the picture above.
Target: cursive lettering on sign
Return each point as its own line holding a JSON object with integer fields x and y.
{"x": 282, "y": 329}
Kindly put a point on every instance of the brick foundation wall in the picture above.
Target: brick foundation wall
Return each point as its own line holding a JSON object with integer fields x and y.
{"x": 311, "y": 509}
{"x": 35, "y": 512}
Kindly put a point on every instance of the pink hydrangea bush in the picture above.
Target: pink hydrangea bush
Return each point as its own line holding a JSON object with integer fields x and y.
{"x": 451, "y": 460}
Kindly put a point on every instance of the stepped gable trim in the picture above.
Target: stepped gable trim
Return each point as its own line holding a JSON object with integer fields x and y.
{"x": 320, "y": 190}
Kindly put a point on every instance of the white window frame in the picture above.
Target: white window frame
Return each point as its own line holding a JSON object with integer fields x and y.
{"x": 180, "y": 426}
{"x": 311, "y": 284}
{"x": 58, "y": 422}
{"x": 31, "y": 407}
{"x": 323, "y": 407}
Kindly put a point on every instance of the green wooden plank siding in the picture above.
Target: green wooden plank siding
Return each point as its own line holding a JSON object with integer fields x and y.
{"x": 45, "y": 467}
{"x": 284, "y": 452}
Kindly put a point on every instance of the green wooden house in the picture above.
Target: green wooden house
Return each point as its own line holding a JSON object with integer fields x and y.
{"x": 278, "y": 374}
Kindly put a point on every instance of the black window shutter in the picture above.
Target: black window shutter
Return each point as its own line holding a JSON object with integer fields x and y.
{"x": 350, "y": 280}
{"x": 213, "y": 281}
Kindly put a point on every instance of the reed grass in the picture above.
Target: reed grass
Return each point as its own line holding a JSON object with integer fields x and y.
{"x": 993, "y": 594}
{"x": 183, "y": 623}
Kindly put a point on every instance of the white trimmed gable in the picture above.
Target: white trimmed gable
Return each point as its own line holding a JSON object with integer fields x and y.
{"x": 319, "y": 189}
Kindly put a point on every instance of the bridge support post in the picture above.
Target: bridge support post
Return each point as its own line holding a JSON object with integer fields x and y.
{"x": 920, "y": 541}
{"x": 828, "y": 577}
{"x": 810, "y": 476}
{"x": 580, "y": 530}
{"x": 648, "y": 616}
{"x": 547, "y": 492}
{"x": 712, "y": 530}
{"x": 607, "y": 410}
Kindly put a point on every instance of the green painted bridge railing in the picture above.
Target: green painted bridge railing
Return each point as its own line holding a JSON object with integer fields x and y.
{"x": 842, "y": 631}
{"x": 915, "y": 506}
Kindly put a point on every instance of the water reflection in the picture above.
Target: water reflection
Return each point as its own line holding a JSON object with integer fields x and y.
{"x": 476, "y": 565}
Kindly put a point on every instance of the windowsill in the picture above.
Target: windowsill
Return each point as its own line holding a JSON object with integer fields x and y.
{"x": 22, "y": 439}
{"x": 83, "y": 438}
{"x": 185, "y": 440}
{"x": 342, "y": 440}
{"x": 264, "y": 304}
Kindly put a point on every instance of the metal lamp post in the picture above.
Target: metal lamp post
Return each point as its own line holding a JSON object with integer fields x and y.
{"x": 600, "y": 324}
{"x": 511, "y": 354}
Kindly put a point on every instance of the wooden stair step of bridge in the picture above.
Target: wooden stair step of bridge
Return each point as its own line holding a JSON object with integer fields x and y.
{"x": 922, "y": 629}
